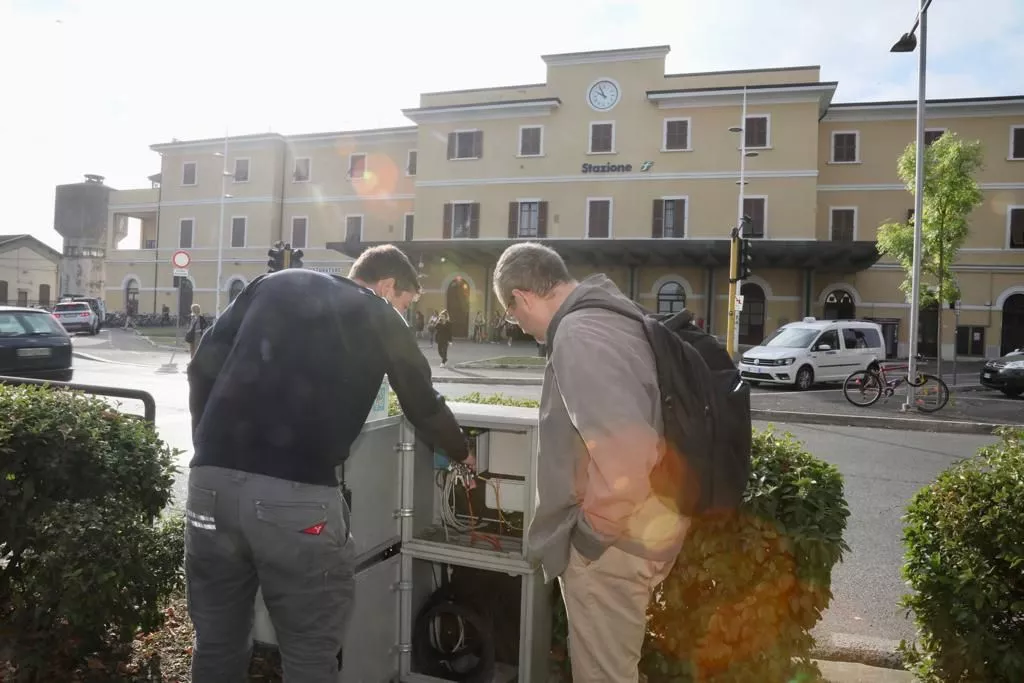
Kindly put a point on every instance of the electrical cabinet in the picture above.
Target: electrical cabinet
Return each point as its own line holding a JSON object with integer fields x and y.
{"x": 414, "y": 518}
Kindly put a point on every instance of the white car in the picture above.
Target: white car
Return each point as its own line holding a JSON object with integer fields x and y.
{"x": 801, "y": 354}
{"x": 77, "y": 316}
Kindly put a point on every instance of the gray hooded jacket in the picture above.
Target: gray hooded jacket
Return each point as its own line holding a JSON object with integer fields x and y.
{"x": 600, "y": 437}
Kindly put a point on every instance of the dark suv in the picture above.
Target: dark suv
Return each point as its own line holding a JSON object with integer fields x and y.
{"x": 34, "y": 345}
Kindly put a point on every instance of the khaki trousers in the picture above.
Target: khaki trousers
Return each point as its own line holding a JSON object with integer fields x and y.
{"x": 606, "y": 603}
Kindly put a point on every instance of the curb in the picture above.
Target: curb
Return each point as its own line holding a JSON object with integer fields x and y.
{"x": 493, "y": 381}
{"x": 472, "y": 366}
{"x": 845, "y": 647}
{"x": 897, "y": 423}
{"x": 97, "y": 359}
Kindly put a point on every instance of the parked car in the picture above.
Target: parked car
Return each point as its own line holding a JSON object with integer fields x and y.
{"x": 97, "y": 305}
{"x": 77, "y": 316}
{"x": 34, "y": 345}
{"x": 803, "y": 353}
{"x": 1005, "y": 374}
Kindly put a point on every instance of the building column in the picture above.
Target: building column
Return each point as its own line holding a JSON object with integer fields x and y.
{"x": 808, "y": 291}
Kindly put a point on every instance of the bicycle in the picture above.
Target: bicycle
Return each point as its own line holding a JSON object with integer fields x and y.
{"x": 864, "y": 387}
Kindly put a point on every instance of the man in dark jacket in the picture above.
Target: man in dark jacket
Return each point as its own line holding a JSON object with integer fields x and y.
{"x": 280, "y": 387}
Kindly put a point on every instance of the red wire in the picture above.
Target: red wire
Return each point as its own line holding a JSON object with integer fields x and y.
{"x": 474, "y": 535}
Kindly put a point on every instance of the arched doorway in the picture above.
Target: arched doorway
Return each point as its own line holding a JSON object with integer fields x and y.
{"x": 235, "y": 289}
{"x": 1013, "y": 324}
{"x": 457, "y": 303}
{"x": 839, "y": 305}
{"x": 185, "y": 301}
{"x": 131, "y": 297}
{"x": 671, "y": 298}
{"x": 752, "y": 315}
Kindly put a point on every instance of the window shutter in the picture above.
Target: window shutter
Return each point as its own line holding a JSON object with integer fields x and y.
{"x": 478, "y": 144}
{"x": 658, "y": 219}
{"x": 474, "y": 221}
{"x": 513, "y": 220}
{"x": 446, "y": 225}
{"x": 451, "y": 146}
{"x": 542, "y": 219}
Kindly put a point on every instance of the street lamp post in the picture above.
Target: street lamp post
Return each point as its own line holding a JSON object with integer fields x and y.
{"x": 220, "y": 224}
{"x": 907, "y": 43}
{"x": 736, "y": 287}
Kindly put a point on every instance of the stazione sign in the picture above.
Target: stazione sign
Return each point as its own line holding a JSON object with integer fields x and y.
{"x": 615, "y": 168}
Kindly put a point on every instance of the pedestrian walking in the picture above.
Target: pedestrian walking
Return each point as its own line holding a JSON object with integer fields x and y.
{"x": 598, "y": 525}
{"x": 196, "y": 328}
{"x": 443, "y": 336}
{"x": 279, "y": 390}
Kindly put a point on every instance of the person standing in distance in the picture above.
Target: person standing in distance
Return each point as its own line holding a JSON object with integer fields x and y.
{"x": 280, "y": 387}
{"x": 598, "y": 525}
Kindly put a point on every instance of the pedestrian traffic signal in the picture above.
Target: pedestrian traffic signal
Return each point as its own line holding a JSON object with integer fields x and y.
{"x": 276, "y": 261}
{"x": 745, "y": 258}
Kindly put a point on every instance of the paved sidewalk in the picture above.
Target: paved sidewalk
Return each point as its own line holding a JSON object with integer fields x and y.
{"x": 842, "y": 672}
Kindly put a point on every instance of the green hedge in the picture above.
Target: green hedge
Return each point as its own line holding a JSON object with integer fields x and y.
{"x": 745, "y": 592}
{"x": 964, "y": 537}
{"x": 87, "y": 560}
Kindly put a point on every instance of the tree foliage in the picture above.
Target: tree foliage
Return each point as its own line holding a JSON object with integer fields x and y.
{"x": 950, "y": 194}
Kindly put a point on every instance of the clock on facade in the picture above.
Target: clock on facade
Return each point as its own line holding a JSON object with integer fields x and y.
{"x": 603, "y": 94}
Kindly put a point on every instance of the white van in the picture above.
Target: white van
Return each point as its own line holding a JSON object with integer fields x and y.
{"x": 811, "y": 351}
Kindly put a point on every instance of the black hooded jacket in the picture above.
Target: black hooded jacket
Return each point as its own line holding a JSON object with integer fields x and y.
{"x": 282, "y": 383}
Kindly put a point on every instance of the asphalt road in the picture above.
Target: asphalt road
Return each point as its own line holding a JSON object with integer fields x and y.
{"x": 882, "y": 470}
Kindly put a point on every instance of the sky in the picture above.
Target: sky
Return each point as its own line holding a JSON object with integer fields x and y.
{"x": 86, "y": 86}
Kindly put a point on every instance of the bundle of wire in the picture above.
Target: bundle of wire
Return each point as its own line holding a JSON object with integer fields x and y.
{"x": 456, "y": 474}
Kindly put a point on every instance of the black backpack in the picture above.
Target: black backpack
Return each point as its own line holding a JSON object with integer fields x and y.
{"x": 706, "y": 414}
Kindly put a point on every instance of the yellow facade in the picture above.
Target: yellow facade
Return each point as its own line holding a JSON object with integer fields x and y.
{"x": 483, "y": 167}
{"x": 28, "y": 272}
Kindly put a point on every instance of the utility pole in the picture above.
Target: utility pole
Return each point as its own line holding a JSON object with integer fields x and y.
{"x": 732, "y": 324}
{"x": 732, "y": 332}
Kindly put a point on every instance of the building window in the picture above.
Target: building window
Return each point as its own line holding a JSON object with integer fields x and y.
{"x": 755, "y": 208}
{"x": 842, "y": 224}
{"x": 185, "y": 230}
{"x": 756, "y": 131}
{"x": 932, "y": 135}
{"x": 301, "y": 172}
{"x": 1016, "y": 227}
{"x": 241, "y": 170}
{"x": 669, "y": 218}
{"x": 22, "y": 298}
{"x": 461, "y": 220}
{"x": 970, "y": 340}
{"x": 188, "y": 173}
{"x": 531, "y": 141}
{"x": 1017, "y": 142}
{"x": 527, "y": 218}
{"x": 410, "y": 220}
{"x": 676, "y": 135}
{"x": 599, "y": 218}
{"x": 353, "y": 228}
{"x": 845, "y": 148}
{"x": 410, "y": 162}
{"x": 602, "y": 138}
{"x": 238, "y": 225}
{"x": 300, "y": 231}
{"x": 44, "y": 296}
{"x": 671, "y": 298}
{"x": 466, "y": 144}
{"x": 357, "y": 166}
{"x": 3, "y": 292}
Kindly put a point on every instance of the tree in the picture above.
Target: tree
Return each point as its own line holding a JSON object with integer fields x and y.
{"x": 950, "y": 194}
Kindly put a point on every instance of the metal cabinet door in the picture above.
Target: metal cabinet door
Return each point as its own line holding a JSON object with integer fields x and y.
{"x": 369, "y": 652}
{"x": 372, "y": 473}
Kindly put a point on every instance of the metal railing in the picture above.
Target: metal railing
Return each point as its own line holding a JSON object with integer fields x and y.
{"x": 148, "y": 403}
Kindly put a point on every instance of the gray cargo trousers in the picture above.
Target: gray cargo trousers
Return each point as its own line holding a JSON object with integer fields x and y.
{"x": 246, "y": 531}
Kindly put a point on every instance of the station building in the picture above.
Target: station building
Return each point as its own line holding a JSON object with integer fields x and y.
{"x": 622, "y": 168}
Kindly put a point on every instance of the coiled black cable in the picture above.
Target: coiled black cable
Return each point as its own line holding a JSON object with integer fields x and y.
{"x": 474, "y": 641}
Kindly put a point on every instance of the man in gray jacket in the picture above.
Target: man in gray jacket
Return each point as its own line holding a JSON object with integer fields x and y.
{"x": 598, "y": 525}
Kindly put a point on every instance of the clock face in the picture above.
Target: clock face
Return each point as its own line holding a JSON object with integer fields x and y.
{"x": 603, "y": 95}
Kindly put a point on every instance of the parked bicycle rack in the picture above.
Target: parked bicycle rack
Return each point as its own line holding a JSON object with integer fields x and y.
{"x": 148, "y": 403}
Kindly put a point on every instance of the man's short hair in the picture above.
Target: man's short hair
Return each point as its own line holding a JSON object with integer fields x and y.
{"x": 530, "y": 267}
{"x": 383, "y": 262}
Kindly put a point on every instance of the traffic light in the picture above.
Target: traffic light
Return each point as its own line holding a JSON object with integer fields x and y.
{"x": 276, "y": 261}
{"x": 745, "y": 259}
{"x": 296, "y": 259}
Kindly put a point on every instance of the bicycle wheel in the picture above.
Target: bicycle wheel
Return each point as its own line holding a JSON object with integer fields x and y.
{"x": 931, "y": 394}
{"x": 863, "y": 388}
